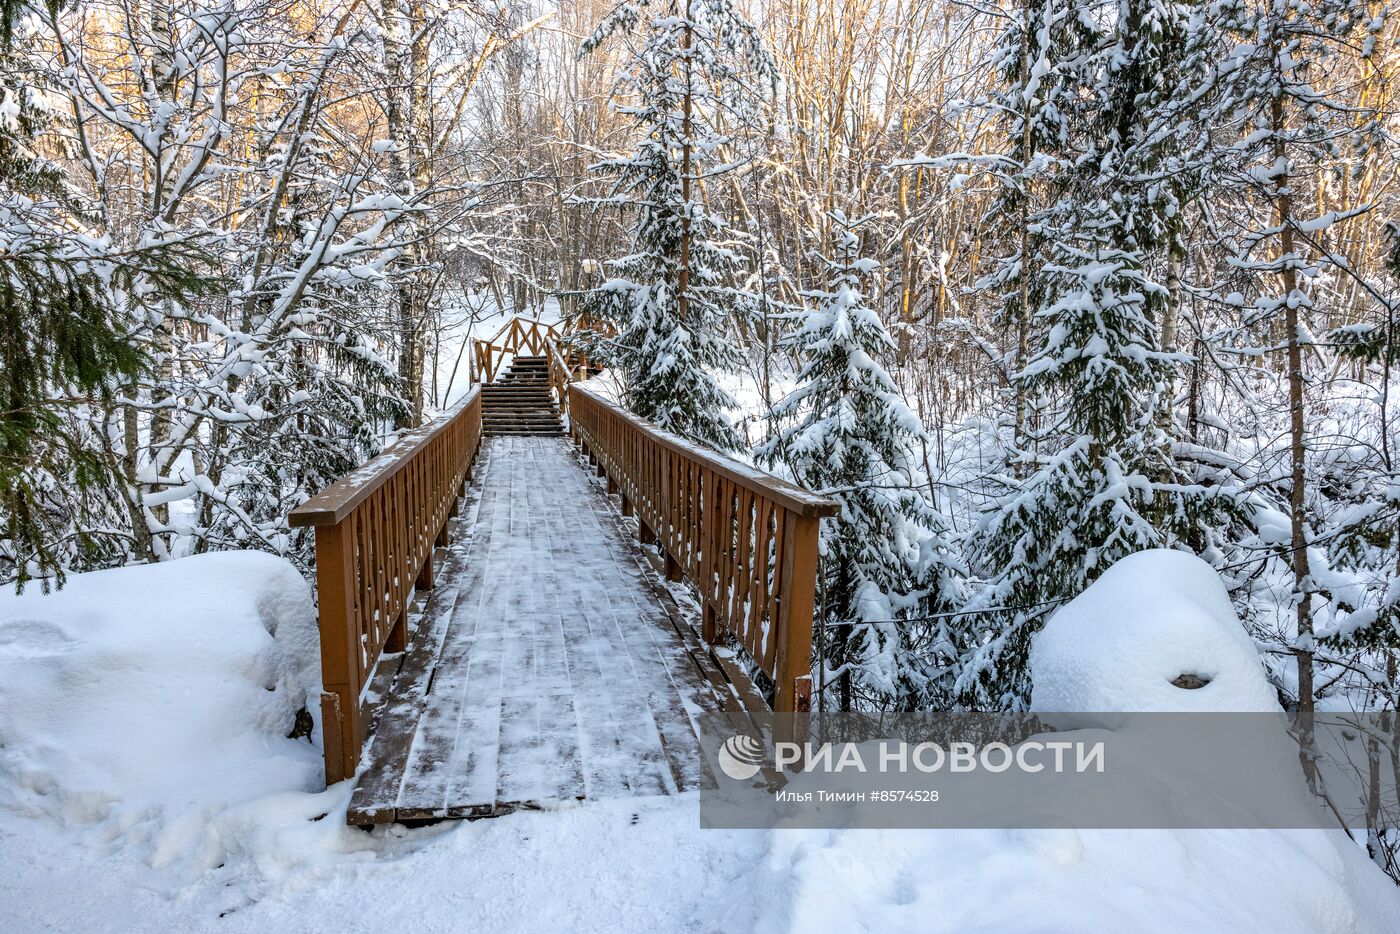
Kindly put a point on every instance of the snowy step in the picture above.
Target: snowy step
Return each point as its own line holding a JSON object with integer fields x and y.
{"x": 523, "y": 423}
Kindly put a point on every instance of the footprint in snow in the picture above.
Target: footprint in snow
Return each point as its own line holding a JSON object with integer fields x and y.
{"x": 32, "y": 638}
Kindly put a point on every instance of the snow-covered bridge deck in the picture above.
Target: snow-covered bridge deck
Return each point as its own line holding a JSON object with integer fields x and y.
{"x": 527, "y": 653}
{"x": 548, "y": 666}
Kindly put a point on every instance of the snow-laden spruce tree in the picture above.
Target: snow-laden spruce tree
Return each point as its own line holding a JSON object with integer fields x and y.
{"x": 665, "y": 306}
{"x": 1028, "y": 107}
{"x": 1090, "y": 476}
{"x": 849, "y": 435}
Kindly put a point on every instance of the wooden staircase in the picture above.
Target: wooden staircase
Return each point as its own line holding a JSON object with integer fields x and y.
{"x": 519, "y": 403}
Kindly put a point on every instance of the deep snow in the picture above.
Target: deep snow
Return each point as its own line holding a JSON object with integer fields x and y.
{"x": 148, "y": 785}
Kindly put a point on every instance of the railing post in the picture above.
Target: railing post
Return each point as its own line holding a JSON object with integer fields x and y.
{"x": 799, "y": 585}
{"x": 340, "y": 643}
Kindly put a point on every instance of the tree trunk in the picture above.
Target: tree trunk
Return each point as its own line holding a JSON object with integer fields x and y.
{"x": 1023, "y": 307}
{"x": 1167, "y": 341}
{"x": 1297, "y": 499}
{"x": 683, "y": 281}
{"x": 398, "y": 31}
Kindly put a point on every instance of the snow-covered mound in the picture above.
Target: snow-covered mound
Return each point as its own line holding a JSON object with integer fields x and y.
{"x": 153, "y": 702}
{"x": 1150, "y": 619}
{"x": 1154, "y": 618}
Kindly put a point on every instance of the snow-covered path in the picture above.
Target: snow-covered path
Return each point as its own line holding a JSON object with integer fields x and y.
{"x": 549, "y": 670}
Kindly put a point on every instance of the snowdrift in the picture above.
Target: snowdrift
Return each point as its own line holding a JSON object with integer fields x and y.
{"x": 1150, "y": 619}
{"x": 1153, "y": 618}
{"x": 143, "y": 722}
{"x": 154, "y": 703}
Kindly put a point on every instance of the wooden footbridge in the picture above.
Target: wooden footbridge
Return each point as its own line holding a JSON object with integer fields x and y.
{"x": 496, "y": 628}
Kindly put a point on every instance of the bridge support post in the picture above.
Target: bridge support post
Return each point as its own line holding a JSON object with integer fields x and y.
{"x": 397, "y": 640}
{"x": 425, "y": 573}
{"x": 644, "y": 534}
{"x": 626, "y": 505}
{"x": 672, "y": 567}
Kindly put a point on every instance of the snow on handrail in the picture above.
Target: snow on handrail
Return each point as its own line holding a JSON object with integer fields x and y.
{"x": 332, "y": 504}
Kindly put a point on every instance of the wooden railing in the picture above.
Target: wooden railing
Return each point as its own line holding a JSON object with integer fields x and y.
{"x": 518, "y": 335}
{"x": 375, "y": 533}
{"x": 561, "y": 374}
{"x": 746, "y": 539}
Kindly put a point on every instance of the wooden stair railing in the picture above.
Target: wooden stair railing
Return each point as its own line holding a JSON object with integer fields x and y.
{"x": 516, "y": 335}
{"x": 528, "y": 337}
{"x": 746, "y": 539}
{"x": 560, "y": 374}
{"x": 376, "y": 529}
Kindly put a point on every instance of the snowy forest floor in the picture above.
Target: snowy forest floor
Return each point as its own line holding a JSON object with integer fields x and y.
{"x": 643, "y": 865}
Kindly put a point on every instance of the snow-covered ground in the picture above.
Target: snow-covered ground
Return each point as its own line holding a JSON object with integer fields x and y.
{"x": 147, "y": 784}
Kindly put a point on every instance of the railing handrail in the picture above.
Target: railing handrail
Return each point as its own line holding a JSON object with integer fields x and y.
{"x": 538, "y": 322}
{"x": 376, "y": 530}
{"x": 512, "y": 320}
{"x": 788, "y": 494}
{"x": 747, "y": 540}
{"x": 336, "y": 501}
{"x": 559, "y": 374}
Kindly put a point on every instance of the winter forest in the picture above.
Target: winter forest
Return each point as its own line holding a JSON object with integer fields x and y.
{"x": 1026, "y": 286}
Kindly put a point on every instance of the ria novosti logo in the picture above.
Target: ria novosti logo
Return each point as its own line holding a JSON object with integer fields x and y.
{"x": 740, "y": 757}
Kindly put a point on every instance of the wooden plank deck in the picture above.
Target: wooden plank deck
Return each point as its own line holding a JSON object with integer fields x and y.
{"x": 548, "y": 666}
